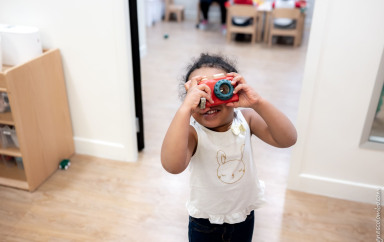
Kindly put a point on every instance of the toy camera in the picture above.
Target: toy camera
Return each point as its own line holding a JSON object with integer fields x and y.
{"x": 222, "y": 90}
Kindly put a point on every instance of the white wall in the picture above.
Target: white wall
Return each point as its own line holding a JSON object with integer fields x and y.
{"x": 94, "y": 39}
{"x": 345, "y": 47}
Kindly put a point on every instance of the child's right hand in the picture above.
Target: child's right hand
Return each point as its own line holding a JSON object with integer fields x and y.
{"x": 194, "y": 93}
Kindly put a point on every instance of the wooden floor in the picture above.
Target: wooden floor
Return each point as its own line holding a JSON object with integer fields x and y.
{"x": 104, "y": 200}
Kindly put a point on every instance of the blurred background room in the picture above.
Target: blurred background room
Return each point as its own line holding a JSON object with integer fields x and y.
{"x": 320, "y": 62}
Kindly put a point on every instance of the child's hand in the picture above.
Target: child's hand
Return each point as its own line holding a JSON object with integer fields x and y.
{"x": 247, "y": 96}
{"x": 194, "y": 93}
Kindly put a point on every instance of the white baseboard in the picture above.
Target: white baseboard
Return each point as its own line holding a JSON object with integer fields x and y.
{"x": 102, "y": 149}
{"x": 336, "y": 188}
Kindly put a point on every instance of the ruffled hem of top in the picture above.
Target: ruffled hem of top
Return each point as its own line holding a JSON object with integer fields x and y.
{"x": 233, "y": 218}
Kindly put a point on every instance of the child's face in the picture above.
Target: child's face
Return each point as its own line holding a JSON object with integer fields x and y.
{"x": 218, "y": 118}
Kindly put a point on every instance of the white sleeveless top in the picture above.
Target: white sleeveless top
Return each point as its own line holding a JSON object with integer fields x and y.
{"x": 223, "y": 180}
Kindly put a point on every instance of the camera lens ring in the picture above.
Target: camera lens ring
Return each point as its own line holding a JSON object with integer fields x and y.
{"x": 223, "y": 89}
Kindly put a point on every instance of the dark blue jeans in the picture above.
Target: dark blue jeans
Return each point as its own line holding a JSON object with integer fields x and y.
{"x": 201, "y": 230}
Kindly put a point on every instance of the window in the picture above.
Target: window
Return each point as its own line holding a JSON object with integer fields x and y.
{"x": 373, "y": 134}
{"x": 377, "y": 130}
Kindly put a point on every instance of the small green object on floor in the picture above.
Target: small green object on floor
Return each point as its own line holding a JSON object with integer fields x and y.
{"x": 166, "y": 36}
{"x": 64, "y": 164}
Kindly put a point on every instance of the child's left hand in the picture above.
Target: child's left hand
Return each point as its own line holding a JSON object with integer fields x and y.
{"x": 247, "y": 96}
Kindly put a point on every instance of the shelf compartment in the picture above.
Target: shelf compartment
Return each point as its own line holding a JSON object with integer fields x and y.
{"x": 11, "y": 151}
{"x": 6, "y": 118}
{"x": 13, "y": 176}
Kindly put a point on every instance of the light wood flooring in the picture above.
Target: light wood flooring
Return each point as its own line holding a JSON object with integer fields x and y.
{"x": 104, "y": 200}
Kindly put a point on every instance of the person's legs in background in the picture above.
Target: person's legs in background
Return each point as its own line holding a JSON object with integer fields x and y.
{"x": 204, "y": 6}
{"x": 223, "y": 11}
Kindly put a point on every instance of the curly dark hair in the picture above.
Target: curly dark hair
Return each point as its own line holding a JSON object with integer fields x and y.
{"x": 207, "y": 60}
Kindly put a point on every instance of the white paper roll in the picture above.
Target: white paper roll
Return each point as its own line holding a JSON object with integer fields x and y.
{"x": 19, "y": 44}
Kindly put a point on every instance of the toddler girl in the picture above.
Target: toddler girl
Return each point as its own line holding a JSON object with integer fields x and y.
{"x": 215, "y": 142}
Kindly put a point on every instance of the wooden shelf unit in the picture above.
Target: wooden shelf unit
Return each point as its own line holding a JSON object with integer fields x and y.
{"x": 40, "y": 114}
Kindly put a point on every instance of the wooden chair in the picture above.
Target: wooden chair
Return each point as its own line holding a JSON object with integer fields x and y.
{"x": 171, "y": 8}
{"x": 290, "y": 13}
{"x": 242, "y": 11}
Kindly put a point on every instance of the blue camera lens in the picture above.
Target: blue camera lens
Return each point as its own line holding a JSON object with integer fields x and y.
{"x": 223, "y": 89}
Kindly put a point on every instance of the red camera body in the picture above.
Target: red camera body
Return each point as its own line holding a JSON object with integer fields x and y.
{"x": 221, "y": 90}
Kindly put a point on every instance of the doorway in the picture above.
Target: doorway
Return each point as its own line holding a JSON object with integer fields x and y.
{"x": 135, "y": 46}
